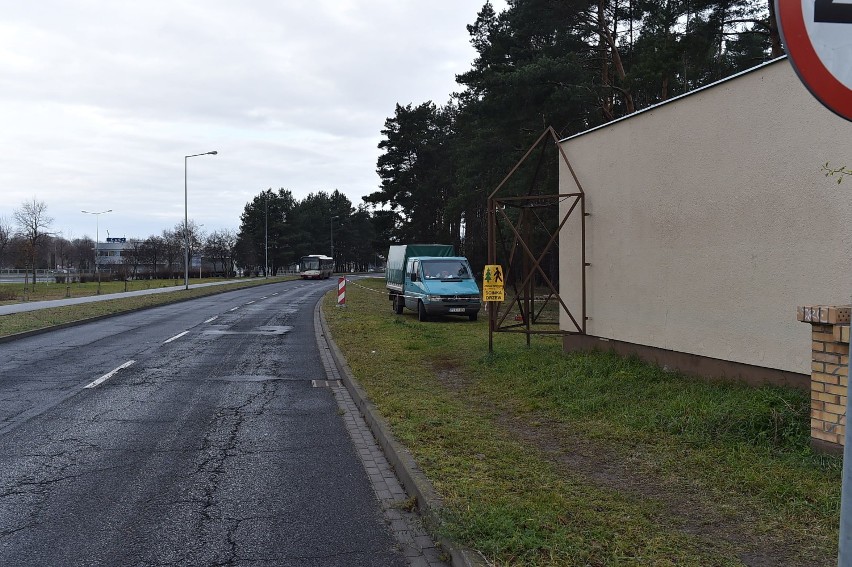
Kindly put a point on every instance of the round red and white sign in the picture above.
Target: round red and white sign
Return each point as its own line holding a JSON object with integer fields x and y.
{"x": 817, "y": 35}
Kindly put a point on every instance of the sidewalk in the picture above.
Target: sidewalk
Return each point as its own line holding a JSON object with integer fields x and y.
{"x": 36, "y": 305}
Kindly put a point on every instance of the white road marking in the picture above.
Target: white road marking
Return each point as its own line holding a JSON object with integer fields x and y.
{"x": 250, "y": 302}
{"x": 211, "y": 319}
{"x": 276, "y": 293}
{"x": 234, "y": 309}
{"x": 264, "y": 297}
{"x": 176, "y": 337}
{"x": 109, "y": 375}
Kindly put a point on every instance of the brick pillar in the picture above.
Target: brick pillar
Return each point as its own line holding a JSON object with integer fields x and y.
{"x": 829, "y": 373}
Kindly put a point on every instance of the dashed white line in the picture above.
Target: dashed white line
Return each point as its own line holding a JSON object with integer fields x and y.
{"x": 264, "y": 297}
{"x": 211, "y": 319}
{"x": 109, "y": 375}
{"x": 276, "y": 293}
{"x": 250, "y": 302}
{"x": 176, "y": 337}
{"x": 234, "y": 309}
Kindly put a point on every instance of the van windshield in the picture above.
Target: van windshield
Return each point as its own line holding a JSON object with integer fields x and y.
{"x": 445, "y": 270}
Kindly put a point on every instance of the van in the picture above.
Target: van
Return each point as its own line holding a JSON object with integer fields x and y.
{"x": 431, "y": 280}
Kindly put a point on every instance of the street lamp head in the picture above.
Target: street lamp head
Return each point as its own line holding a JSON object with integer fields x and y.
{"x": 213, "y": 153}
{"x": 186, "y": 220}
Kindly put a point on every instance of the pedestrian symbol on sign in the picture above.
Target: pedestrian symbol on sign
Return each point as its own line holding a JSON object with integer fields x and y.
{"x": 492, "y": 283}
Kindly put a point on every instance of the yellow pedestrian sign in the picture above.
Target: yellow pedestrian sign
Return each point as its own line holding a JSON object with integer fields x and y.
{"x": 492, "y": 283}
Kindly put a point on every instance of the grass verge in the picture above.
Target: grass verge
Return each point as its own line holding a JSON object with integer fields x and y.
{"x": 11, "y": 293}
{"x": 44, "y": 318}
{"x": 591, "y": 459}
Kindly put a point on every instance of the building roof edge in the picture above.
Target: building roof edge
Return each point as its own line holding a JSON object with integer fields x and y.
{"x": 672, "y": 100}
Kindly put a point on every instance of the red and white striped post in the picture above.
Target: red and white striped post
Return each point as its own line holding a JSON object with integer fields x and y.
{"x": 341, "y": 291}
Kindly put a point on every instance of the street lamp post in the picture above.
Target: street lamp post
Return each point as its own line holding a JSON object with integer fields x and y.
{"x": 186, "y": 219}
{"x": 97, "y": 238}
{"x": 266, "y": 236}
{"x": 331, "y": 224}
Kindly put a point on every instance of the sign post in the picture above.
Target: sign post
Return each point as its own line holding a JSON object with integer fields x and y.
{"x": 817, "y": 35}
{"x": 492, "y": 293}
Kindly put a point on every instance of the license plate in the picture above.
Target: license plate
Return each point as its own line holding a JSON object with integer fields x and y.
{"x": 456, "y": 309}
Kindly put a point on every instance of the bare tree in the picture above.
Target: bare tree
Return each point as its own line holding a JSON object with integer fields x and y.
{"x": 132, "y": 256}
{"x": 84, "y": 253}
{"x": 63, "y": 249}
{"x": 5, "y": 237}
{"x": 17, "y": 253}
{"x": 33, "y": 224}
{"x": 153, "y": 253}
{"x": 172, "y": 249}
{"x": 220, "y": 248}
{"x": 194, "y": 237}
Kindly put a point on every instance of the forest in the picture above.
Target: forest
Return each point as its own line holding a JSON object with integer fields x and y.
{"x": 567, "y": 64}
{"x": 571, "y": 65}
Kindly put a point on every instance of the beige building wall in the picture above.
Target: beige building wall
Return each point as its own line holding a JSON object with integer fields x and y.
{"x": 711, "y": 221}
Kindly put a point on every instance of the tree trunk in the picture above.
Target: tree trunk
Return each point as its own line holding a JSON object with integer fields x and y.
{"x": 606, "y": 94}
{"x": 622, "y": 75}
{"x": 774, "y": 34}
{"x": 34, "y": 265}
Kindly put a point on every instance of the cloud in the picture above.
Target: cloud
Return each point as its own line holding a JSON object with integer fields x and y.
{"x": 101, "y": 100}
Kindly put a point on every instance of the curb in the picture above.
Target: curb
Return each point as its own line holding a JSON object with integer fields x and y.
{"x": 429, "y": 503}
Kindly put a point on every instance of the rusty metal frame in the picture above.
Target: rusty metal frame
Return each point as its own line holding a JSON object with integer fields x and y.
{"x": 528, "y": 204}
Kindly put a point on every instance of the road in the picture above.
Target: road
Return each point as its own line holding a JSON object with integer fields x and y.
{"x": 189, "y": 434}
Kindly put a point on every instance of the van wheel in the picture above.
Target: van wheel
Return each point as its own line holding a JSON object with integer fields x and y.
{"x": 472, "y": 316}
{"x": 398, "y": 304}
{"x": 421, "y": 312}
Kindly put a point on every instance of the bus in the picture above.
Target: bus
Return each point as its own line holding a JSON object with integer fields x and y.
{"x": 316, "y": 267}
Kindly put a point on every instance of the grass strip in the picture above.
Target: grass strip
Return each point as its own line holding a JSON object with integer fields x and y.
{"x": 671, "y": 470}
{"x": 45, "y": 318}
{"x": 11, "y": 293}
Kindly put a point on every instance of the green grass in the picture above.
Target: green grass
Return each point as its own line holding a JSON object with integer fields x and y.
{"x": 544, "y": 458}
{"x": 16, "y": 293}
{"x": 44, "y": 318}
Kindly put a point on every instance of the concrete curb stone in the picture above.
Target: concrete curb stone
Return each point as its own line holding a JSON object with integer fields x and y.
{"x": 412, "y": 478}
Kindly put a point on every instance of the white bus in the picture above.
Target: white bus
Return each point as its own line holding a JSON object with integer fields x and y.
{"x": 316, "y": 267}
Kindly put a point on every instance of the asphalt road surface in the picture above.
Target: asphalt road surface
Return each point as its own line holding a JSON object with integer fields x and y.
{"x": 189, "y": 434}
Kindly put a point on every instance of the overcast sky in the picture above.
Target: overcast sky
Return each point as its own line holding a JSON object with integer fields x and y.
{"x": 101, "y": 100}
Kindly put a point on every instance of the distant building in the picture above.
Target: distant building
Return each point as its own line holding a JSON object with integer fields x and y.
{"x": 116, "y": 254}
{"x": 111, "y": 252}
